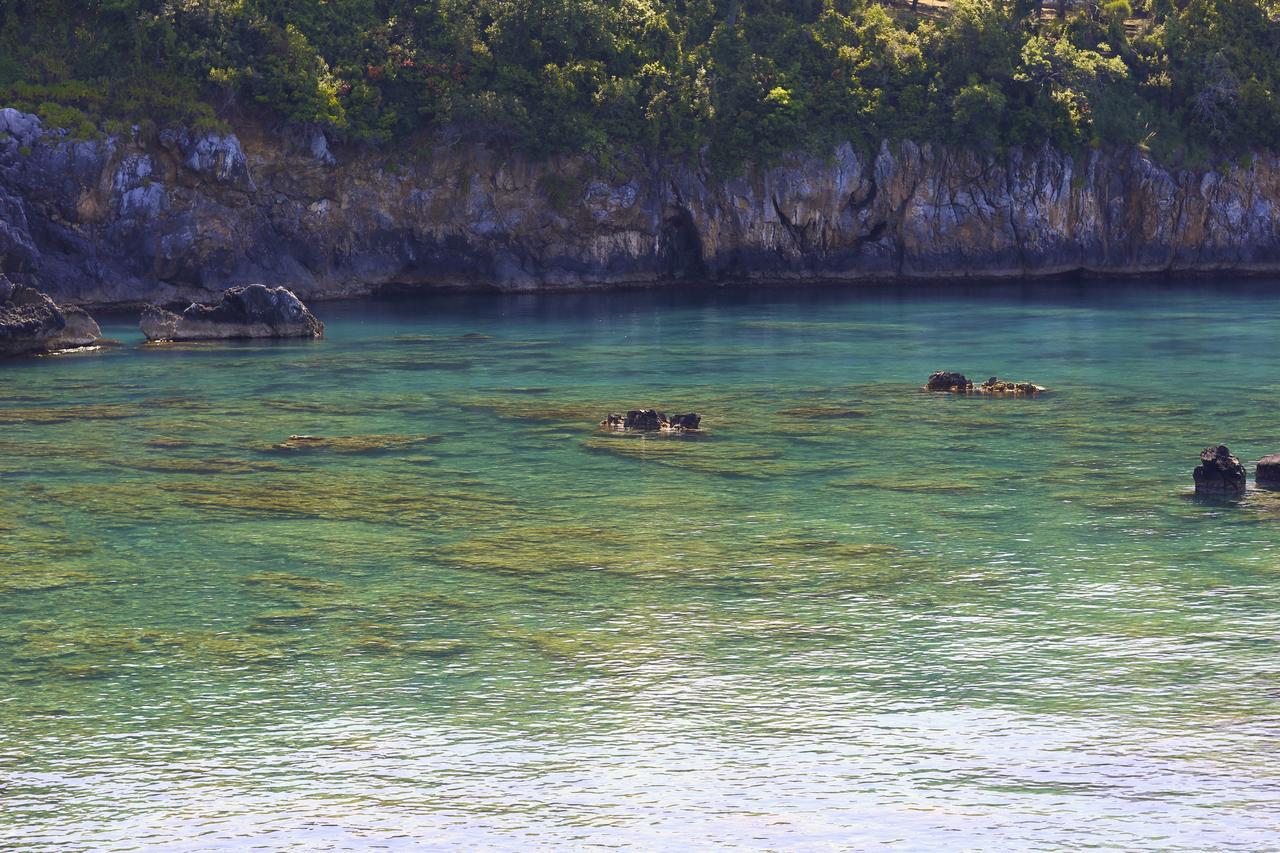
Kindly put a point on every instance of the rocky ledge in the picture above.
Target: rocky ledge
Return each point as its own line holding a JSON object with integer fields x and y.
{"x": 958, "y": 383}
{"x": 652, "y": 420}
{"x": 1219, "y": 474}
{"x": 32, "y": 323}
{"x": 255, "y": 311}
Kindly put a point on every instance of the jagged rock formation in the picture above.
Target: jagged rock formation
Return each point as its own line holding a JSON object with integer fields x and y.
{"x": 946, "y": 380}
{"x": 958, "y": 383}
{"x": 31, "y": 322}
{"x": 651, "y": 420}
{"x": 1219, "y": 474}
{"x": 181, "y": 215}
{"x": 255, "y": 311}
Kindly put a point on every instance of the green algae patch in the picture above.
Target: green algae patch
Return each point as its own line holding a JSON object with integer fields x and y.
{"x": 556, "y": 644}
{"x": 723, "y": 458}
{"x": 350, "y": 443}
{"x": 41, "y": 578}
{"x": 824, "y": 413}
{"x": 825, "y": 549}
{"x": 289, "y": 584}
{"x": 920, "y": 487}
{"x": 533, "y": 549}
{"x": 66, "y": 414}
{"x": 184, "y": 465}
{"x": 585, "y": 414}
{"x": 285, "y": 619}
{"x": 168, "y": 443}
{"x": 436, "y": 648}
{"x": 392, "y": 500}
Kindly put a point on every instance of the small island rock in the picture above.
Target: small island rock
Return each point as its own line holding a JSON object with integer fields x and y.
{"x": 943, "y": 380}
{"x": 1267, "y": 472}
{"x": 31, "y": 322}
{"x": 652, "y": 420}
{"x": 995, "y": 385}
{"x": 1219, "y": 475}
{"x": 958, "y": 383}
{"x": 253, "y": 311}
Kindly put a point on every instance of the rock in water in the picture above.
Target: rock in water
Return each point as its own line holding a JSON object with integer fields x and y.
{"x": 958, "y": 383}
{"x": 31, "y": 322}
{"x": 996, "y": 385}
{"x": 81, "y": 329}
{"x": 943, "y": 380}
{"x": 652, "y": 420}
{"x": 1268, "y": 472}
{"x": 692, "y": 420}
{"x": 254, "y": 311}
{"x": 1219, "y": 475}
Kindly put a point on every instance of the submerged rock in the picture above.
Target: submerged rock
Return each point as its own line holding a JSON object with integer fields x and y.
{"x": 1219, "y": 475}
{"x": 958, "y": 383}
{"x": 31, "y": 322}
{"x": 351, "y": 443}
{"x": 254, "y": 311}
{"x": 652, "y": 420}
{"x": 1267, "y": 473}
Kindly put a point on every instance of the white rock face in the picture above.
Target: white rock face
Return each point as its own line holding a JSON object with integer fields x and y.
{"x": 23, "y": 127}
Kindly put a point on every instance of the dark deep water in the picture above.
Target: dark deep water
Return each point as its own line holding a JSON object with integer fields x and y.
{"x": 851, "y": 613}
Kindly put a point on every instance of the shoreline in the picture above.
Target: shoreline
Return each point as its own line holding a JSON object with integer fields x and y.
{"x": 967, "y": 284}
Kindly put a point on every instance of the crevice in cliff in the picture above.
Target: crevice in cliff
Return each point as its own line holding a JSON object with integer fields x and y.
{"x": 876, "y": 232}
{"x": 1011, "y": 210}
{"x": 799, "y": 234}
{"x": 856, "y": 204}
{"x": 1175, "y": 233}
{"x": 680, "y": 247}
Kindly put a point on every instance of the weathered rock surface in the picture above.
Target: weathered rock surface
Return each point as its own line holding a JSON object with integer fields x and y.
{"x": 651, "y": 420}
{"x": 944, "y": 380}
{"x": 183, "y": 215}
{"x": 1267, "y": 472}
{"x": 958, "y": 383}
{"x": 995, "y": 385}
{"x": 31, "y": 322}
{"x": 1219, "y": 475}
{"x": 255, "y": 311}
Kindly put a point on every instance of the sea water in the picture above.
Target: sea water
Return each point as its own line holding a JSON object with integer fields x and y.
{"x": 848, "y": 613}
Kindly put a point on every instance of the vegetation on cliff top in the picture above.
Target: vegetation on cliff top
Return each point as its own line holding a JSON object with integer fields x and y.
{"x": 738, "y": 79}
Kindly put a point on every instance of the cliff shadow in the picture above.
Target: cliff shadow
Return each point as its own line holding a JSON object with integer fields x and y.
{"x": 680, "y": 248}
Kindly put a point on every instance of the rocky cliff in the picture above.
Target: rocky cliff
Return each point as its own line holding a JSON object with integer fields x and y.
{"x": 177, "y": 215}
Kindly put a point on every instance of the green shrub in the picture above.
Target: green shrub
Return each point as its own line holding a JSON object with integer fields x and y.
{"x": 722, "y": 80}
{"x": 561, "y": 190}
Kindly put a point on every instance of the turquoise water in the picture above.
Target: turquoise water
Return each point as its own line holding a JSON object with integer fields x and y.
{"x": 849, "y": 614}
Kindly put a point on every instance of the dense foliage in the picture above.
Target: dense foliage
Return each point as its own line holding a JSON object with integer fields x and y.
{"x": 736, "y": 79}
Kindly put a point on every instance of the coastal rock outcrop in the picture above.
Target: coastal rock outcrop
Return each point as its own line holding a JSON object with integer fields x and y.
{"x": 652, "y": 420}
{"x": 183, "y": 215}
{"x": 958, "y": 383}
{"x": 255, "y": 311}
{"x": 31, "y": 322}
{"x": 1219, "y": 474}
{"x": 1267, "y": 472}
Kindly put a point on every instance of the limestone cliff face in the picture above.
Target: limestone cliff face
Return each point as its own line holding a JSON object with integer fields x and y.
{"x": 183, "y": 214}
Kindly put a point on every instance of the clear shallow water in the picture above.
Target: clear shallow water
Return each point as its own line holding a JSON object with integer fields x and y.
{"x": 850, "y": 614}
